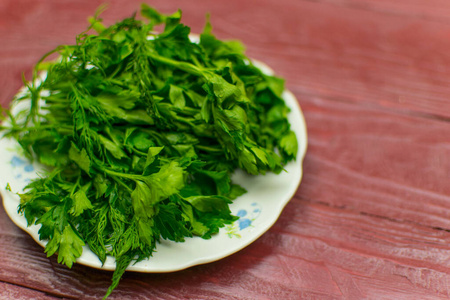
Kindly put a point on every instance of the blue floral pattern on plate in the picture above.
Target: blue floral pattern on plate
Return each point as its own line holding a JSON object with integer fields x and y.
{"x": 246, "y": 218}
{"x": 22, "y": 168}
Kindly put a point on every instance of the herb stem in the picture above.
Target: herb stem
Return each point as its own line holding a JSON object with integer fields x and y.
{"x": 185, "y": 66}
{"x": 119, "y": 174}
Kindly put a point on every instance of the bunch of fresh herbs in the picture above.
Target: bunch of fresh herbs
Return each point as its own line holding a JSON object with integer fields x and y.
{"x": 141, "y": 132}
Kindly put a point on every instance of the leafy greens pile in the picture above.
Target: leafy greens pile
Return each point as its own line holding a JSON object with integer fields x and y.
{"x": 141, "y": 133}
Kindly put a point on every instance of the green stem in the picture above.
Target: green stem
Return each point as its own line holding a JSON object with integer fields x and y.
{"x": 208, "y": 148}
{"x": 190, "y": 68}
{"x": 123, "y": 175}
{"x": 122, "y": 184}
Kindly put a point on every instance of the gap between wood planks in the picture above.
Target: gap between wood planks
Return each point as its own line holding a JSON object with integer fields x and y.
{"x": 371, "y": 215}
{"x": 371, "y": 105}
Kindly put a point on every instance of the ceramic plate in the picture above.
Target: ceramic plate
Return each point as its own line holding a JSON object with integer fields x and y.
{"x": 258, "y": 209}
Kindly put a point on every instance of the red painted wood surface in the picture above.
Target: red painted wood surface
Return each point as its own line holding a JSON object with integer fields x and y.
{"x": 371, "y": 219}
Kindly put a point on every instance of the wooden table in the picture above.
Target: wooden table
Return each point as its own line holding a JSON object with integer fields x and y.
{"x": 371, "y": 219}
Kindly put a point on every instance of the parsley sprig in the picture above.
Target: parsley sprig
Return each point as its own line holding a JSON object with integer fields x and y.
{"x": 141, "y": 132}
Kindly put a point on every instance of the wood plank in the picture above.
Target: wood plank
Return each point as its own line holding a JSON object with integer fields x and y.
{"x": 366, "y": 256}
{"x": 359, "y": 56}
{"x": 361, "y": 158}
{"x": 10, "y": 291}
{"x": 435, "y": 10}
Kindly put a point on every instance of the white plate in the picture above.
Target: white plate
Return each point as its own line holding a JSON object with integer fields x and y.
{"x": 258, "y": 209}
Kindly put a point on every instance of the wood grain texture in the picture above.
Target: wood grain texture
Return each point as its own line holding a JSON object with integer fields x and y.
{"x": 436, "y": 10}
{"x": 371, "y": 219}
{"x": 9, "y": 291}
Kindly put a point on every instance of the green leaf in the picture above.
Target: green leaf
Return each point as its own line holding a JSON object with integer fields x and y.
{"x": 176, "y": 96}
{"x": 153, "y": 15}
{"x": 149, "y": 191}
{"x": 53, "y": 244}
{"x": 197, "y": 227}
{"x": 236, "y": 191}
{"x": 100, "y": 185}
{"x": 168, "y": 181}
{"x": 80, "y": 158}
{"x": 222, "y": 89}
{"x": 47, "y": 225}
{"x": 276, "y": 84}
{"x": 151, "y": 155}
{"x": 70, "y": 247}
{"x": 112, "y": 147}
{"x": 248, "y": 161}
{"x": 80, "y": 203}
{"x": 122, "y": 264}
{"x": 233, "y": 119}
{"x": 260, "y": 154}
{"x": 289, "y": 144}
{"x": 144, "y": 197}
{"x": 170, "y": 223}
{"x": 221, "y": 180}
{"x": 209, "y": 203}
